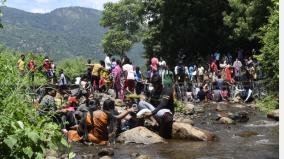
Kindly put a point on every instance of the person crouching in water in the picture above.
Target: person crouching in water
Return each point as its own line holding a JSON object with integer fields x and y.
{"x": 96, "y": 125}
{"x": 161, "y": 106}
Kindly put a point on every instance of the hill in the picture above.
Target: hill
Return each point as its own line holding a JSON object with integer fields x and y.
{"x": 64, "y": 32}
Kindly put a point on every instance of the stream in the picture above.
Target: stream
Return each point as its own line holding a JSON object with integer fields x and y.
{"x": 258, "y": 138}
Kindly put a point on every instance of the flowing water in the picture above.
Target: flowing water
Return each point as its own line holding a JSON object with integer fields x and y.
{"x": 260, "y": 141}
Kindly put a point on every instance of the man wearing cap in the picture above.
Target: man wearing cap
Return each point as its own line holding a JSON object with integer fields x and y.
{"x": 161, "y": 106}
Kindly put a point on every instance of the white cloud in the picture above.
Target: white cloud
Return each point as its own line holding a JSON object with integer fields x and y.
{"x": 40, "y": 10}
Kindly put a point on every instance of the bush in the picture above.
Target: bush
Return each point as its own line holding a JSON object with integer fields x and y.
{"x": 23, "y": 134}
{"x": 179, "y": 106}
{"x": 268, "y": 104}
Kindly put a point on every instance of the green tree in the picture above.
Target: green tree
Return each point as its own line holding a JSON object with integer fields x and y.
{"x": 116, "y": 42}
{"x": 1, "y": 3}
{"x": 243, "y": 20}
{"x": 196, "y": 27}
{"x": 269, "y": 57}
{"x": 124, "y": 25}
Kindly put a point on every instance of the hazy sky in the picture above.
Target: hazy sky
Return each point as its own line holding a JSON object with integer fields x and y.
{"x": 43, "y": 6}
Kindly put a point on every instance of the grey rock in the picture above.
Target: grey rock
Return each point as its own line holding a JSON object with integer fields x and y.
{"x": 140, "y": 135}
{"x": 143, "y": 157}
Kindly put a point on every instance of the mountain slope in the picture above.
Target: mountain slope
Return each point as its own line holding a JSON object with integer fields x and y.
{"x": 64, "y": 32}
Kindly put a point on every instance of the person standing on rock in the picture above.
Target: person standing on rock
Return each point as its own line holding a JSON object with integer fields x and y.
{"x": 161, "y": 106}
{"x": 96, "y": 73}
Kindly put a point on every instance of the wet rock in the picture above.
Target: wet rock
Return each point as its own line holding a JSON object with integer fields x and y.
{"x": 187, "y": 131}
{"x": 182, "y": 120}
{"x": 143, "y": 157}
{"x": 226, "y": 120}
{"x": 106, "y": 152}
{"x": 220, "y": 108}
{"x": 106, "y": 157}
{"x": 247, "y": 133}
{"x": 240, "y": 116}
{"x": 274, "y": 114}
{"x": 135, "y": 155}
{"x": 140, "y": 135}
{"x": 87, "y": 156}
{"x": 199, "y": 109}
{"x": 189, "y": 109}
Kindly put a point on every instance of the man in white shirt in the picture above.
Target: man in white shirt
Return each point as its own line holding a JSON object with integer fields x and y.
{"x": 130, "y": 79}
{"x": 108, "y": 62}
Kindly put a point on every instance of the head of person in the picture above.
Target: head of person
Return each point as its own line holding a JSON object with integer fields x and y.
{"x": 126, "y": 60}
{"x": 137, "y": 69}
{"x": 113, "y": 60}
{"x": 23, "y": 57}
{"x": 157, "y": 82}
{"x": 109, "y": 55}
{"x": 219, "y": 76}
{"x": 102, "y": 63}
{"x": 61, "y": 71}
{"x": 108, "y": 107}
{"x": 200, "y": 87}
{"x": 89, "y": 61}
{"x": 118, "y": 62}
{"x": 52, "y": 92}
{"x": 94, "y": 105}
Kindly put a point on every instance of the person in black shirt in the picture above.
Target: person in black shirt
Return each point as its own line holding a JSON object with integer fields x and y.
{"x": 201, "y": 94}
{"x": 161, "y": 106}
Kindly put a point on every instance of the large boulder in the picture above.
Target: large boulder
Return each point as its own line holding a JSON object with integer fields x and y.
{"x": 274, "y": 114}
{"x": 187, "y": 131}
{"x": 140, "y": 135}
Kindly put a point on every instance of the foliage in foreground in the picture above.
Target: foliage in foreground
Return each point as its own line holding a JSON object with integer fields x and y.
{"x": 268, "y": 104}
{"x": 23, "y": 134}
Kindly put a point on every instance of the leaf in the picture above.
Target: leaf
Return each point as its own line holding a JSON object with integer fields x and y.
{"x": 10, "y": 141}
{"x": 33, "y": 136}
{"x": 64, "y": 142}
{"x": 39, "y": 156}
{"x": 28, "y": 151}
{"x": 71, "y": 155}
{"x": 21, "y": 124}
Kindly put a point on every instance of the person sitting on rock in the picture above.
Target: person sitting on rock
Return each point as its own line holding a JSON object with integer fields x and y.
{"x": 96, "y": 125}
{"x": 201, "y": 94}
{"x": 162, "y": 98}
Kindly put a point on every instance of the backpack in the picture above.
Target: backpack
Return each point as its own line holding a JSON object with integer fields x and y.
{"x": 168, "y": 79}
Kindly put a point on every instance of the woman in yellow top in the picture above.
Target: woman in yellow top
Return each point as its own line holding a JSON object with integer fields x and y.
{"x": 21, "y": 65}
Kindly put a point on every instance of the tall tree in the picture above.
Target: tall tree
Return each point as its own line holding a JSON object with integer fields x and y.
{"x": 124, "y": 23}
{"x": 269, "y": 57}
{"x": 196, "y": 27}
{"x": 116, "y": 42}
{"x": 243, "y": 20}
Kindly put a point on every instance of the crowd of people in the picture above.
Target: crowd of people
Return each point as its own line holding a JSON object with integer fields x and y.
{"x": 89, "y": 119}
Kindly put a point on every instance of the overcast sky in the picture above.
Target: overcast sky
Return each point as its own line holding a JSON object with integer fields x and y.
{"x": 43, "y": 6}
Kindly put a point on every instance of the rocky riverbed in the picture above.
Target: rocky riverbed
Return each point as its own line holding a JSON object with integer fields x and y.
{"x": 241, "y": 131}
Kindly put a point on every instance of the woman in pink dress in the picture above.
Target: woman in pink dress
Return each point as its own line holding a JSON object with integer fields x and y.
{"x": 117, "y": 71}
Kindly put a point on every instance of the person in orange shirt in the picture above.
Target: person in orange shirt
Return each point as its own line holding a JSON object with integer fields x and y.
{"x": 95, "y": 126}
